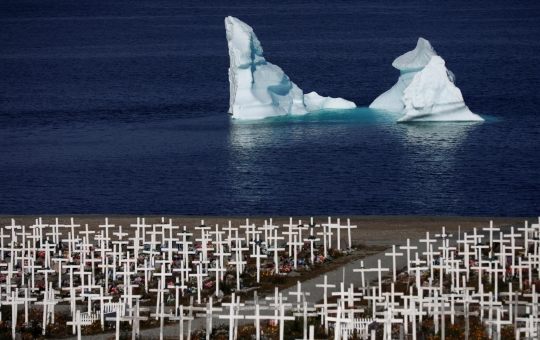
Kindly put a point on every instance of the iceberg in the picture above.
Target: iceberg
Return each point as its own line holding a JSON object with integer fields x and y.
{"x": 433, "y": 96}
{"x": 408, "y": 65}
{"x": 315, "y": 102}
{"x": 259, "y": 89}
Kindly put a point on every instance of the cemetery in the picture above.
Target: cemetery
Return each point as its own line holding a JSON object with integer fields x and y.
{"x": 268, "y": 281}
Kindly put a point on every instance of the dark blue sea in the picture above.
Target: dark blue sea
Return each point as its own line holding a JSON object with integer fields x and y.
{"x": 120, "y": 107}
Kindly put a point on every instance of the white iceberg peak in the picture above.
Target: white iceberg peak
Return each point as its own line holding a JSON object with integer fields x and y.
{"x": 408, "y": 64}
{"x": 259, "y": 89}
{"x": 432, "y": 96}
{"x": 416, "y": 59}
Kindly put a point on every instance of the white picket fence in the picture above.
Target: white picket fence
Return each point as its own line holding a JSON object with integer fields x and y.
{"x": 361, "y": 326}
{"x": 89, "y": 318}
{"x": 111, "y": 307}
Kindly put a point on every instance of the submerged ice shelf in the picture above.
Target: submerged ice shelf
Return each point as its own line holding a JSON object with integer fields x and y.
{"x": 259, "y": 89}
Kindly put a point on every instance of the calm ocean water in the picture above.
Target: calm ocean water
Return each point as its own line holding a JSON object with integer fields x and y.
{"x": 121, "y": 107}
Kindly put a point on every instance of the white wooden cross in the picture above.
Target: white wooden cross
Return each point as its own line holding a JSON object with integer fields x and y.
{"x": 9, "y": 274}
{"x": 510, "y": 295}
{"x": 107, "y": 226}
{"x": 294, "y": 245}
{"x": 388, "y": 320}
{"x": 467, "y": 300}
{"x": 418, "y": 268}
{"x": 154, "y": 242}
{"x": 312, "y": 225}
{"x": 163, "y": 273}
{"x": 513, "y": 246}
{"x": 178, "y": 287}
{"x": 185, "y": 235}
{"x": 48, "y": 302}
{"x": 203, "y": 250}
{"x": 491, "y": 229}
{"x": 440, "y": 311}
{"x": 324, "y": 234}
{"x": 101, "y": 299}
{"x": 258, "y": 256}
{"x": 141, "y": 224}
{"x": 520, "y": 267}
{"x": 72, "y": 226}
{"x": 499, "y": 323}
{"x": 394, "y": 254}
{"x": 230, "y": 228}
{"x": 300, "y": 227}
{"x": 275, "y": 248}
{"x": 78, "y": 322}
{"x": 233, "y": 315}
{"x": 257, "y": 317}
{"x": 338, "y": 320}
{"x": 409, "y": 311}
{"x": 55, "y": 233}
{"x": 379, "y": 271}
{"x": 428, "y": 252}
{"x": 464, "y": 241}
{"x": 278, "y": 299}
{"x": 490, "y": 305}
{"x": 209, "y": 313}
{"x": 239, "y": 257}
{"x": 466, "y": 253}
{"x": 168, "y": 238}
{"x": 249, "y": 229}
{"x": 329, "y": 225}
{"x": 311, "y": 240}
{"x": 182, "y": 318}
{"x": 121, "y": 242}
{"x": 135, "y": 318}
{"x": 268, "y": 227}
{"x": 221, "y": 254}
{"x": 349, "y": 227}
{"x": 362, "y": 270}
{"x": 160, "y": 292}
{"x": 299, "y": 293}
{"x": 13, "y": 300}
{"x": 148, "y": 270}
{"x": 34, "y": 237}
{"x": 390, "y": 297}
{"x": 13, "y": 227}
{"x": 338, "y": 226}
{"x": 290, "y": 233}
{"x": 2, "y": 246}
{"x": 135, "y": 246}
{"x": 324, "y": 306}
{"x": 161, "y": 315}
{"x": 281, "y": 319}
{"x": 530, "y": 327}
{"x": 408, "y": 248}
{"x": 534, "y": 300}
{"x": 199, "y": 275}
{"x": 305, "y": 313}
{"x": 527, "y": 232}
{"x": 38, "y": 230}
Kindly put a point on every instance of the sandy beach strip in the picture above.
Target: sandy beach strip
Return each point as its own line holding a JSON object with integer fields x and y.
{"x": 370, "y": 229}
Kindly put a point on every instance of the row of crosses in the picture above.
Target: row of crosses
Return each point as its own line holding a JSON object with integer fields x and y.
{"x": 445, "y": 277}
